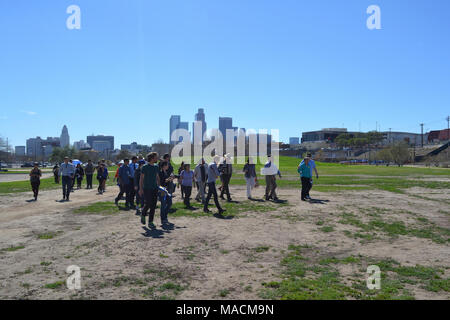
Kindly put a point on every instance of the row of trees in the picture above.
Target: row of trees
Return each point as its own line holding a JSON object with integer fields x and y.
{"x": 397, "y": 153}
{"x": 359, "y": 139}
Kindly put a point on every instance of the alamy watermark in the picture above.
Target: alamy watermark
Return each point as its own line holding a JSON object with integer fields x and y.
{"x": 374, "y": 20}
{"x": 238, "y": 144}
{"x": 74, "y": 20}
{"x": 73, "y": 282}
{"x": 374, "y": 278}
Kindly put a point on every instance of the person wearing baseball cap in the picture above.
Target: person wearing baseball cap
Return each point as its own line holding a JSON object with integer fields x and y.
{"x": 312, "y": 165}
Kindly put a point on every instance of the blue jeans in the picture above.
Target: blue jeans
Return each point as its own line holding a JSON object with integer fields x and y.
{"x": 166, "y": 204}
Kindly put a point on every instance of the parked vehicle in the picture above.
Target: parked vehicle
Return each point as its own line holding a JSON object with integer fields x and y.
{"x": 27, "y": 165}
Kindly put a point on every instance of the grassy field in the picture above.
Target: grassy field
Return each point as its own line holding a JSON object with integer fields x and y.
{"x": 332, "y": 178}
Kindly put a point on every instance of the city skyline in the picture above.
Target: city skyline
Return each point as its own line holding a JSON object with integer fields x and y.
{"x": 291, "y": 66}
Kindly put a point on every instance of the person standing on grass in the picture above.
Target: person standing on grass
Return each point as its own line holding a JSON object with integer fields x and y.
{"x": 137, "y": 177}
{"x": 226, "y": 171}
{"x": 200, "y": 178}
{"x": 181, "y": 168}
{"x": 89, "y": 171}
{"x": 166, "y": 199}
{"x": 213, "y": 174}
{"x": 312, "y": 165}
{"x": 305, "y": 175}
{"x": 105, "y": 167}
{"x": 35, "y": 180}
{"x": 102, "y": 175}
{"x": 79, "y": 174}
{"x": 186, "y": 179}
{"x": 73, "y": 178}
{"x": 133, "y": 166}
{"x": 148, "y": 188}
{"x": 270, "y": 170}
{"x": 250, "y": 176}
{"x": 123, "y": 178}
{"x": 56, "y": 173}
{"x": 67, "y": 174}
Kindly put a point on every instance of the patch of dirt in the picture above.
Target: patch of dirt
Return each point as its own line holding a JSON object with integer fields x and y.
{"x": 199, "y": 258}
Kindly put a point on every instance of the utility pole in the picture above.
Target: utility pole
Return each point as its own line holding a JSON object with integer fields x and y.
{"x": 421, "y": 126}
{"x": 390, "y": 130}
{"x": 448, "y": 133}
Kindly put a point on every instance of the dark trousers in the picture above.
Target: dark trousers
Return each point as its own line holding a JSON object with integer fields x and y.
{"x": 271, "y": 186}
{"x": 56, "y": 178}
{"x": 79, "y": 180}
{"x": 89, "y": 181}
{"x": 132, "y": 192}
{"x": 150, "y": 200}
{"x": 212, "y": 192}
{"x": 187, "y": 190}
{"x": 125, "y": 188}
{"x": 139, "y": 199}
{"x": 66, "y": 186}
{"x": 225, "y": 186}
{"x": 166, "y": 203}
{"x": 100, "y": 185}
{"x": 306, "y": 186}
{"x": 35, "y": 187}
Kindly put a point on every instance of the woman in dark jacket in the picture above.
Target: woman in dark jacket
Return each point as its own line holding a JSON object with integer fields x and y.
{"x": 35, "y": 180}
{"x": 79, "y": 174}
{"x": 250, "y": 177}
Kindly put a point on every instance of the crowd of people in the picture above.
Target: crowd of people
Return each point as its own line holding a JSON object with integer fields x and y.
{"x": 142, "y": 182}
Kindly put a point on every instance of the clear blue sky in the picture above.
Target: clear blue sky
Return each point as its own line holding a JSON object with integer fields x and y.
{"x": 290, "y": 64}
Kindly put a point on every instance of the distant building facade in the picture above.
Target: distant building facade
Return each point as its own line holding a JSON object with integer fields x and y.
{"x": 20, "y": 151}
{"x": 225, "y": 123}
{"x": 38, "y": 147}
{"x": 81, "y": 145}
{"x": 324, "y": 135}
{"x": 294, "y": 140}
{"x": 135, "y": 148}
{"x": 102, "y": 142}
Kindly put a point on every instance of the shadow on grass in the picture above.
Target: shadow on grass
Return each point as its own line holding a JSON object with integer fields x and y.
{"x": 256, "y": 200}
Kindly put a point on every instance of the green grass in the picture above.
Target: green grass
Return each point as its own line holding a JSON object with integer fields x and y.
{"x": 307, "y": 274}
{"x": 333, "y": 178}
{"x": 48, "y": 235}
{"x": 55, "y": 285}
{"x": 12, "y": 248}
{"x": 224, "y": 292}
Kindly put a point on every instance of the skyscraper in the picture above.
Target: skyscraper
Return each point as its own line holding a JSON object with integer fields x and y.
{"x": 200, "y": 118}
{"x": 224, "y": 124}
{"x": 64, "y": 139}
{"x": 174, "y": 123}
